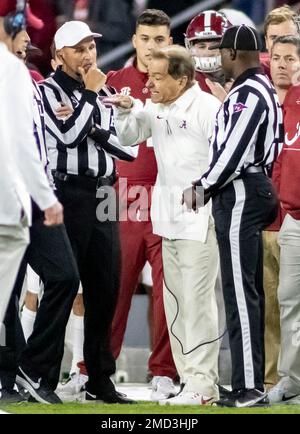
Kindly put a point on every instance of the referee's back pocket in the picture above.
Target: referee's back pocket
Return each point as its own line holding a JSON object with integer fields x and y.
{"x": 265, "y": 192}
{"x": 270, "y": 203}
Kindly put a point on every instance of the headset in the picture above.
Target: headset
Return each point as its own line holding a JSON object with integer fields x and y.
{"x": 15, "y": 22}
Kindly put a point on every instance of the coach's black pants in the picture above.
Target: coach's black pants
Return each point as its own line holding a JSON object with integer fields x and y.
{"x": 241, "y": 211}
{"x": 50, "y": 256}
{"x": 96, "y": 248}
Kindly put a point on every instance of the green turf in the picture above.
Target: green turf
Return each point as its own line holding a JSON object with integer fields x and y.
{"x": 142, "y": 408}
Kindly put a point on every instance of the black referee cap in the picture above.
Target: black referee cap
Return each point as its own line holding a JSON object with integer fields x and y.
{"x": 241, "y": 37}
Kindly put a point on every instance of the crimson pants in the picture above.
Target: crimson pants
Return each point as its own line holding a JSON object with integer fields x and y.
{"x": 138, "y": 245}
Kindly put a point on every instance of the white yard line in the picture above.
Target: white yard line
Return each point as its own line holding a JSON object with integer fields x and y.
{"x": 136, "y": 391}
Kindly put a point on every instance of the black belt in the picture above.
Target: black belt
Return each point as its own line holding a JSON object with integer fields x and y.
{"x": 85, "y": 181}
{"x": 254, "y": 169}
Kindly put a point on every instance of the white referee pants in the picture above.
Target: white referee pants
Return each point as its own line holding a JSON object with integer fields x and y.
{"x": 289, "y": 299}
{"x": 190, "y": 271}
{"x": 13, "y": 243}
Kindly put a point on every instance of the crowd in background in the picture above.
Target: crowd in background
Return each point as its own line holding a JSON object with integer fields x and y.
{"x": 86, "y": 140}
{"x": 118, "y": 28}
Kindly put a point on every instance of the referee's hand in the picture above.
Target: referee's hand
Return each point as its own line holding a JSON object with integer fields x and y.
{"x": 54, "y": 215}
{"x": 94, "y": 79}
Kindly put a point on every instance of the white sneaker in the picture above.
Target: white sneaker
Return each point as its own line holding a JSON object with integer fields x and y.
{"x": 189, "y": 398}
{"x": 74, "y": 388}
{"x": 162, "y": 388}
{"x": 285, "y": 392}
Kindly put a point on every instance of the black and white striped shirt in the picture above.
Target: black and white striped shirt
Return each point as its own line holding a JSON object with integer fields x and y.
{"x": 72, "y": 149}
{"x": 39, "y": 124}
{"x": 248, "y": 132}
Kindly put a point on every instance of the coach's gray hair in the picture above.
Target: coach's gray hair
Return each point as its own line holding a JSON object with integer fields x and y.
{"x": 181, "y": 63}
{"x": 290, "y": 39}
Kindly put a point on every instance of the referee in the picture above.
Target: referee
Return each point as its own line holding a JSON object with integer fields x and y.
{"x": 81, "y": 151}
{"x": 245, "y": 142}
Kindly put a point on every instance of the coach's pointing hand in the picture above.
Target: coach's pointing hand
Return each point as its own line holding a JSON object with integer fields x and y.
{"x": 119, "y": 100}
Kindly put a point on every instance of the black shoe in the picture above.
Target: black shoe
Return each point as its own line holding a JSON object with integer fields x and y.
{"x": 32, "y": 399}
{"x": 223, "y": 392}
{"x": 252, "y": 398}
{"x": 10, "y": 396}
{"x": 243, "y": 398}
{"x": 111, "y": 397}
{"x": 41, "y": 392}
{"x": 229, "y": 399}
{"x": 24, "y": 393}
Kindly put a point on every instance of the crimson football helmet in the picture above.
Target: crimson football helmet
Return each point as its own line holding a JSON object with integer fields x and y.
{"x": 205, "y": 26}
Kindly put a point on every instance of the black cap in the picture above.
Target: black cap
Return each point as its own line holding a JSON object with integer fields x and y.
{"x": 241, "y": 37}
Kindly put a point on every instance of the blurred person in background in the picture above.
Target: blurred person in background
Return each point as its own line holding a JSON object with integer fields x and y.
{"x": 172, "y": 8}
{"x": 46, "y": 10}
{"x": 279, "y": 22}
{"x": 203, "y": 31}
{"x": 113, "y": 19}
{"x": 285, "y": 71}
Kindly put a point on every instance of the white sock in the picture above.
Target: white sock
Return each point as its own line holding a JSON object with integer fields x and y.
{"x": 77, "y": 325}
{"x": 27, "y": 321}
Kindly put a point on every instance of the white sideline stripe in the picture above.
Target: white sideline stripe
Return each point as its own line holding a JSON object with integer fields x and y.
{"x": 135, "y": 391}
{"x": 4, "y": 412}
{"x": 234, "y": 236}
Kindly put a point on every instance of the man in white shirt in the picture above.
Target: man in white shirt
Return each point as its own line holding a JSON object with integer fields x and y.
{"x": 180, "y": 118}
{"x": 22, "y": 175}
{"x": 21, "y": 172}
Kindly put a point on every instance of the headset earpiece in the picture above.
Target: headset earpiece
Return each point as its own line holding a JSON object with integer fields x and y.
{"x": 14, "y": 23}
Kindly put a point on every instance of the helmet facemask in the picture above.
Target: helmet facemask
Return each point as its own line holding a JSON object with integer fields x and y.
{"x": 206, "y": 64}
{"x": 207, "y": 26}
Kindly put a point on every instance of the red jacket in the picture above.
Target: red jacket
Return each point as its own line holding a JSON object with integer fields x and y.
{"x": 286, "y": 172}
{"x": 200, "y": 77}
{"x": 36, "y": 75}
